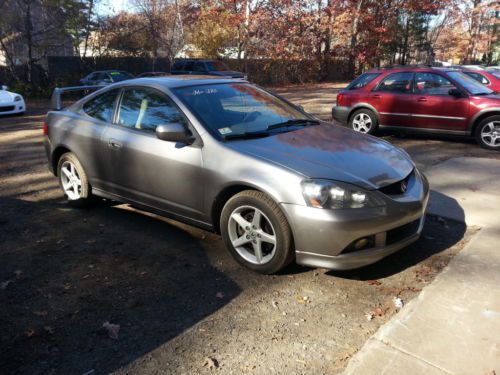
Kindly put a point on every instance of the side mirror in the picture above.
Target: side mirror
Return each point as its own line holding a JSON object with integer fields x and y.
{"x": 455, "y": 92}
{"x": 4, "y": 87}
{"x": 173, "y": 132}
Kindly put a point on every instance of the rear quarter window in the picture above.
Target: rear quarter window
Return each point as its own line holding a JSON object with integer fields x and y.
{"x": 362, "y": 81}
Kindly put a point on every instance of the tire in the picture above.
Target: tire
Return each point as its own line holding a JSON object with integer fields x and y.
{"x": 364, "y": 121}
{"x": 491, "y": 126}
{"x": 76, "y": 187}
{"x": 272, "y": 224}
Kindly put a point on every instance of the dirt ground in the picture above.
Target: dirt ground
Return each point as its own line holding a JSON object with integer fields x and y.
{"x": 171, "y": 297}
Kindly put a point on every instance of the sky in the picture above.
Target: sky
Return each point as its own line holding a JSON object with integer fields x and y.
{"x": 110, "y": 7}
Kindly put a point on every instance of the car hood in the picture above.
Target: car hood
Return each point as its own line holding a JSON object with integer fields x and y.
{"x": 332, "y": 152}
{"x": 6, "y": 96}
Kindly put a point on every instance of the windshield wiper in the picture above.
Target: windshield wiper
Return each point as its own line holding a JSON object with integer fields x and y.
{"x": 483, "y": 93}
{"x": 247, "y": 135}
{"x": 293, "y": 122}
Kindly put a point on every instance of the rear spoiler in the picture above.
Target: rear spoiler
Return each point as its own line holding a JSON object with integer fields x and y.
{"x": 56, "y": 102}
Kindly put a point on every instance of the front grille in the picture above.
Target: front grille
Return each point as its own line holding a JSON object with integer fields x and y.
{"x": 397, "y": 188}
{"x": 402, "y": 232}
{"x": 7, "y": 109}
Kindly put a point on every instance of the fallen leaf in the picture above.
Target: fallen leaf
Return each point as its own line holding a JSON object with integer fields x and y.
{"x": 374, "y": 282}
{"x": 210, "y": 363}
{"x": 219, "y": 295}
{"x": 275, "y": 304}
{"x": 398, "y": 302}
{"x": 112, "y": 329}
{"x": 5, "y": 284}
{"x": 30, "y": 332}
{"x": 378, "y": 312}
{"x": 18, "y": 273}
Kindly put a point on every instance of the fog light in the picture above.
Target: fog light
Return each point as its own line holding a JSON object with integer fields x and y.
{"x": 360, "y": 244}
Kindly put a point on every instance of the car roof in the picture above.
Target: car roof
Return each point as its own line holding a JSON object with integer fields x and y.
{"x": 415, "y": 68}
{"x": 179, "y": 81}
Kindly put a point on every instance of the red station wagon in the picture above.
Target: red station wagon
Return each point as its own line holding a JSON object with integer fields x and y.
{"x": 434, "y": 100}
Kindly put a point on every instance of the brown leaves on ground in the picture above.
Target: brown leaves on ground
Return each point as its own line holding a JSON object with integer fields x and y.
{"x": 374, "y": 282}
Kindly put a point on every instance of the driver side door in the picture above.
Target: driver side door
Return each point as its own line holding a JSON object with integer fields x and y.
{"x": 141, "y": 167}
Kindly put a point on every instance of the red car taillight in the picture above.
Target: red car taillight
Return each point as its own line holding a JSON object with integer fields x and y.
{"x": 45, "y": 130}
{"x": 340, "y": 99}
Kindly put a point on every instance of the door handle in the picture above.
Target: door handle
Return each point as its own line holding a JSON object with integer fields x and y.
{"x": 113, "y": 143}
{"x": 376, "y": 96}
{"x": 421, "y": 99}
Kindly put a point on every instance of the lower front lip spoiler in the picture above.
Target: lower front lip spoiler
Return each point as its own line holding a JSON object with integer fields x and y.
{"x": 356, "y": 259}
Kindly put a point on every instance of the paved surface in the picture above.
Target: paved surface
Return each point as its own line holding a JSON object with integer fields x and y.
{"x": 453, "y": 327}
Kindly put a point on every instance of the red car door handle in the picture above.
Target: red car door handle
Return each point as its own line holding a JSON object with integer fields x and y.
{"x": 376, "y": 96}
{"x": 422, "y": 99}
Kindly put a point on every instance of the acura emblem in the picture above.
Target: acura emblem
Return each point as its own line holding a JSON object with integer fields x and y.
{"x": 404, "y": 186}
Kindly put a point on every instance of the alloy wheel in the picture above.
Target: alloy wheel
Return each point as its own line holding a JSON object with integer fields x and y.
{"x": 362, "y": 123}
{"x": 70, "y": 180}
{"x": 252, "y": 234}
{"x": 490, "y": 134}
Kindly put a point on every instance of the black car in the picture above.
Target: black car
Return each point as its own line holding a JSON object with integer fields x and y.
{"x": 105, "y": 77}
{"x": 204, "y": 67}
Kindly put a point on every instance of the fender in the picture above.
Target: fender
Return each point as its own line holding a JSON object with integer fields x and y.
{"x": 364, "y": 105}
{"x": 470, "y": 125}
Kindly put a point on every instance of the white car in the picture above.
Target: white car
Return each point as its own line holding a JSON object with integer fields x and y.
{"x": 10, "y": 102}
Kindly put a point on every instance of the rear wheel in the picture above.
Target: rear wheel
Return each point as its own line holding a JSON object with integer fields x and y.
{"x": 256, "y": 232}
{"x": 364, "y": 121}
{"x": 488, "y": 133}
{"x": 73, "y": 180}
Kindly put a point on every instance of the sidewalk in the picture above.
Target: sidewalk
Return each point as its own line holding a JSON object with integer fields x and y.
{"x": 453, "y": 326}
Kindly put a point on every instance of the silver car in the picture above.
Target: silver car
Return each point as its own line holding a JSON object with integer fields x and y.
{"x": 230, "y": 157}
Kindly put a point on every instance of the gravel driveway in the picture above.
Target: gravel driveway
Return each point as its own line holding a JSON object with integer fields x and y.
{"x": 171, "y": 297}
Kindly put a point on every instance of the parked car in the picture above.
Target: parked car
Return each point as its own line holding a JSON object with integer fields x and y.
{"x": 433, "y": 100}
{"x": 486, "y": 78}
{"x": 105, "y": 77}
{"x": 10, "y": 102}
{"x": 230, "y": 157}
{"x": 204, "y": 67}
{"x": 152, "y": 74}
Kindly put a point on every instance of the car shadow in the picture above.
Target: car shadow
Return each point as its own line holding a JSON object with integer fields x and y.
{"x": 438, "y": 235}
{"x": 65, "y": 272}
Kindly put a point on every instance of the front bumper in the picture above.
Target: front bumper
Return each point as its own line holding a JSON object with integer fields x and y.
{"x": 340, "y": 113}
{"x": 323, "y": 237}
{"x": 12, "y": 108}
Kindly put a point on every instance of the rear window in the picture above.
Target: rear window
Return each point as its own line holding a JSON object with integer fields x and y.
{"x": 362, "y": 81}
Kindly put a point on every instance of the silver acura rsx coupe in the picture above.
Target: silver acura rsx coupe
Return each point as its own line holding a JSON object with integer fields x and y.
{"x": 228, "y": 156}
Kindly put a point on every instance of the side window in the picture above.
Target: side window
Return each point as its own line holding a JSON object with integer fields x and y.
{"x": 396, "y": 83}
{"x": 145, "y": 109}
{"x": 188, "y": 66}
{"x": 432, "y": 84}
{"x": 199, "y": 67}
{"x": 102, "y": 106}
{"x": 178, "y": 65}
{"x": 478, "y": 77}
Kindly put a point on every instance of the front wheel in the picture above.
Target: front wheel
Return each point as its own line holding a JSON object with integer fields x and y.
{"x": 488, "y": 133}
{"x": 73, "y": 180}
{"x": 364, "y": 121}
{"x": 256, "y": 232}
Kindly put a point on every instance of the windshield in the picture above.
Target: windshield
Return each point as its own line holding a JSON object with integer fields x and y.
{"x": 362, "y": 81}
{"x": 232, "y": 109}
{"x": 217, "y": 66}
{"x": 470, "y": 84}
{"x": 120, "y": 76}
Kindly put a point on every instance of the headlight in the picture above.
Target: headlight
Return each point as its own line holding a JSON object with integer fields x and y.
{"x": 337, "y": 195}
{"x": 17, "y": 98}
